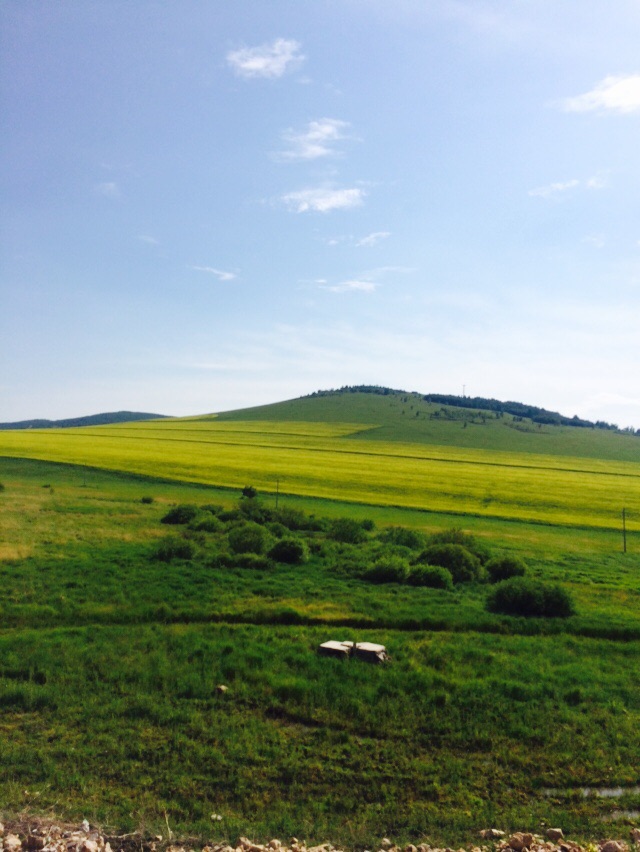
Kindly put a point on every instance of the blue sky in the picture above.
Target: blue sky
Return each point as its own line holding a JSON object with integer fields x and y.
{"x": 210, "y": 205}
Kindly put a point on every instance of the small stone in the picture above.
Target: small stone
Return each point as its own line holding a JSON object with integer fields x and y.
{"x": 635, "y": 834}
{"x": 491, "y": 834}
{"x": 34, "y": 842}
{"x": 410, "y": 848}
{"x": 274, "y": 844}
{"x": 385, "y": 843}
{"x": 1, "y": 829}
{"x": 12, "y": 843}
{"x": 85, "y": 826}
{"x": 520, "y": 841}
{"x": 612, "y": 846}
{"x": 555, "y": 834}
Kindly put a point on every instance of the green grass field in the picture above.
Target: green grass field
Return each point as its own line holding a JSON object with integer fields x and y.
{"x": 109, "y": 656}
{"x": 350, "y": 461}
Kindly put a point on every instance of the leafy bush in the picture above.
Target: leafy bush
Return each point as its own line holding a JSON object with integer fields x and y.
{"x": 181, "y": 514}
{"x": 292, "y": 519}
{"x": 174, "y": 547}
{"x": 388, "y": 569}
{"x": 404, "y": 537}
{"x": 368, "y": 524}
{"x": 277, "y": 529}
{"x": 468, "y": 541}
{"x": 206, "y": 522}
{"x": 347, "y": 530}
{"x": 248, "y": 538}
{"x": 432, "y": 576}
{"x": 524, "y": 596}
{"x": 291, "y": 551}
{"x": 253, "y": 509}
{"x": 213, "y": 508}
{"x": 463, "y": 565}
{"x": 503, "y": 567}
{"x": 230, "y": 515}
{"x": 251, "y": 560}
{"x": 145, "y": 500}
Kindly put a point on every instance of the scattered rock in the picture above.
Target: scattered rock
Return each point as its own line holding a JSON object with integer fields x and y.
{"x": 221, "y": 689}
{"x": 613, "y": 846}
{"x": 12, "y": 843}
{"x": 635, "y": 834}
{"x": 555, "y": 834}
{"x": 410, "y": 848}
{"x": 491, "y": 834}
{"x": 385, "y": 843}
{"x": 520, "y": 841}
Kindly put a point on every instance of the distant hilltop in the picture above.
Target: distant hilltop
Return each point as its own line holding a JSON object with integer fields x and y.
{"x": 516, "y": 409}
{"x": 90, "y": 420}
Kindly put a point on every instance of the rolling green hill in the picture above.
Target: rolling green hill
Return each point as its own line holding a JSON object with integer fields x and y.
{"x": 406, "y": 417}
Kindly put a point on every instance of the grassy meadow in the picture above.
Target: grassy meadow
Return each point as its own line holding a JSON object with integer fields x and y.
{"x": 111, "y": 650}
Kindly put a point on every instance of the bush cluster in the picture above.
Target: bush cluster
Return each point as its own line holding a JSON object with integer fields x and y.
{"x": 256, "y": 536}
{"x": 526, "y": 597}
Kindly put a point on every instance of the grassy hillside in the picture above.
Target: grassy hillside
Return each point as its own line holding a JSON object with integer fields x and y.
{"x": 110, "y": 658}
{"x": 407, "y": 418}
{"x": 320, "y": 460}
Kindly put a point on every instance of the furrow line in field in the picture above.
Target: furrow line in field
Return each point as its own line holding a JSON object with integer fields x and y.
{"x": 405, "y": 456}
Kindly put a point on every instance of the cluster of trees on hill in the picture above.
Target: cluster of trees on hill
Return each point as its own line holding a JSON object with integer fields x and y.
{"x": 516, "y": 409}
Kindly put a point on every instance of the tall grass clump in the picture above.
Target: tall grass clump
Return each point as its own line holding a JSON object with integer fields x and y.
{"x": 181, "y": 514}
{"x": 527, "y": 597}
{"x": 500, "y": 568}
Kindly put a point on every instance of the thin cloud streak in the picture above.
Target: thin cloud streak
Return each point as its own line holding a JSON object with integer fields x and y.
{"x": 373, "y": 238}
{"x": 220, "y": 274}
{"x": 323, "y": 200}
{"x": 598, "y": 181}
{"x": 619, "y": 94}
{"x": 269, "y": 61}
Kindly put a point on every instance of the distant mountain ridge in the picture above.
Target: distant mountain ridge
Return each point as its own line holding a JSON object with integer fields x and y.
{"x": 90, "y": 420}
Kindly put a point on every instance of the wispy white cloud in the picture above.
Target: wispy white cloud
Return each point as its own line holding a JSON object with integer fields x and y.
{"x": 364, "y": 282}
{"x": 350, "y": 286}
{"x": 147, "y": 238}
{"x": 271, "y": 60}
{"x": 322, "y": 200}
{"x": 598, "y": 181}
{"x": 220, "y": 274}
{"x": 596, "y": 240}
{"x": 613, "y": 94}
{"x": 315, "y": 141}
{"x": 108, "y": 189}
{"x": 373, "y": 238}
{"x": 553, "y": 189}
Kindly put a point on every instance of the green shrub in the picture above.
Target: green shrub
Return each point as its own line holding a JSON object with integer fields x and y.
{"x": 252, "y": 560}
{"x": 146, "y": 500}
{"x": 248, "y": 538}
{"x": 206, "y": 522}
{"x": 174, "y": 547}
{"x": 388, "y": 569}
{"x": 432, "y": 576}
{"x": 468, "y": 541}
{"x": 346, "y": 530}
{"x": 277, "y": 529}
{"x": 229, "y": 515}
{"x": 404, "y": 537}
{"x": 181, "y": 514}
{"x": 527, "y": 597}
{"x": 503, "y": 567}
{"x": 463, "y": 565}
{"x": 368, "y": 524}
{"x": 291, "y": 551}
{"x": 213, "y": 508}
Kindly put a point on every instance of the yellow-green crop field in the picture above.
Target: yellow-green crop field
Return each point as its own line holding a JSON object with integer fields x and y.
{"x": 329, "y": 460}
